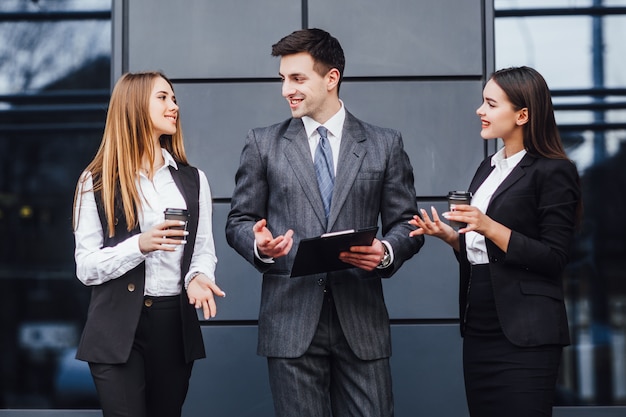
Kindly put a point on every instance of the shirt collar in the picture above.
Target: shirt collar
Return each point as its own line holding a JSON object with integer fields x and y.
{"x": 334, "y": 124}
{"x": 169, "y": 159}
{"x": 499, "y": 159}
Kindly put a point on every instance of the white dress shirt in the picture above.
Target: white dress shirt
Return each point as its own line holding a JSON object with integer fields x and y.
{"x": 96, "y": 264}
{"x": 334, "y": 125}
{"x": 475, "y": 242}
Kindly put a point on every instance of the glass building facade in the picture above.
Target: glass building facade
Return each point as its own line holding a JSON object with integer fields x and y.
{"x": 54, "y": 90}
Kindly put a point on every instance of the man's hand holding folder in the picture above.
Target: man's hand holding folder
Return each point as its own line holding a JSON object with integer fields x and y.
{"x": 338, "y": 250}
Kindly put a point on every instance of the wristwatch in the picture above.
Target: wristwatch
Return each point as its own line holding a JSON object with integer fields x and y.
{"x": 386, "y": 260}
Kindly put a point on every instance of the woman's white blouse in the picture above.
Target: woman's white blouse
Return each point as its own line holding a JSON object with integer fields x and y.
{"x": 96, "y": 264}
{"x": 475, "y": 242}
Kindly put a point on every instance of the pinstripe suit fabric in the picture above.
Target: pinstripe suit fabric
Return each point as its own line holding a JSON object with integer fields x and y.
{"x": 276, "y": 180}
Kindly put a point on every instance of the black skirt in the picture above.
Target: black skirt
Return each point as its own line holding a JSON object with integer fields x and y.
{"x": 502, "y": 379}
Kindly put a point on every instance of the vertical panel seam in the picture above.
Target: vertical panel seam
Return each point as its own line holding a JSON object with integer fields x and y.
{"x": 305, "y": 14}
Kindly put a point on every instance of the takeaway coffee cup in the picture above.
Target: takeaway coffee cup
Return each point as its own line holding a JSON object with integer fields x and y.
{"x": 177, "y": 214}
{"x": 458, "y": 197}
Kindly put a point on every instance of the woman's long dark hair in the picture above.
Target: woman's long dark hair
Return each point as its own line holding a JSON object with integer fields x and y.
{"x": 526, "y": 88}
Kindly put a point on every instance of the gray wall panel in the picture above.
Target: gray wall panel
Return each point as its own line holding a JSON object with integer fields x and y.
{"x": 232, "y": 380}
{"x": 426, "y": 287}
{"x": 216, "y": 119}
{"x": 438, "y": 123}
{"x": 208, "y": 39}
{"x": 240, "y": 280}
{"x": 404, "y": 37}
{"x": 208, "y": 32}
{"x": 427, "y": 371}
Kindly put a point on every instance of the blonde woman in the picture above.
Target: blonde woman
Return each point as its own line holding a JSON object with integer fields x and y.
{"x": 142, "y": 332}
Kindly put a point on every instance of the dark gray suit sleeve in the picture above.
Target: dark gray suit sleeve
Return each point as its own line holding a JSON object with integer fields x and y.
{"x": 398, "y": 205}
{"x": 248, "y": 202}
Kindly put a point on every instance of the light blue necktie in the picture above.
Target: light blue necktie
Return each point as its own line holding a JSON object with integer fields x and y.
{"x": 324, "y": 168}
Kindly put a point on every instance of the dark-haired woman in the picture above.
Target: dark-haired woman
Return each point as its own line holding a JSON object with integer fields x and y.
{"x": 520, "y": 223}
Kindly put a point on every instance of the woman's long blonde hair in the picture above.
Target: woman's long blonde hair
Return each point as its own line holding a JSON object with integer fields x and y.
{"x": 127, "y": 139}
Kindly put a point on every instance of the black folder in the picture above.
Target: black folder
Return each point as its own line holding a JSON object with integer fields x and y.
{"x": 321, "y": 254}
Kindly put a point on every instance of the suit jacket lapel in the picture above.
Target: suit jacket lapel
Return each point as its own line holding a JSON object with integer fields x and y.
{"x": 482, "y": 173}
{"x": 517, "y": 173}
{"x": 351, "y": 155}
{"x": 298, "y": 153}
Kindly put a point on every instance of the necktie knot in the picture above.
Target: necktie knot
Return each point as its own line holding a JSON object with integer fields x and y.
{"x": 323, "y": 132}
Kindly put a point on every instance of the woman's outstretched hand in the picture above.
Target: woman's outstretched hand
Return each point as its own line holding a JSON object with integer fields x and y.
{"x": 434, "y": 227}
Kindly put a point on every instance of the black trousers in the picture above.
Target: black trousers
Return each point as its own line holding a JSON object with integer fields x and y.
{"x": 329, "y": 376}
{"x": 154, "y": 380}
{"x": 502, "y": 379}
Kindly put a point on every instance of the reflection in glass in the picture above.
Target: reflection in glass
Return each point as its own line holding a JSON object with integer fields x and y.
{"x": 54, "y": 87}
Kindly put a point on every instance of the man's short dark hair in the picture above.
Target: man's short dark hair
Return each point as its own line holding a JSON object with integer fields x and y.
{"x": 324, "y": 48}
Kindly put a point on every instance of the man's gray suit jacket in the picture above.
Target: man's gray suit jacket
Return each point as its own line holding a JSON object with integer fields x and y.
{"x": 276, "y": 181}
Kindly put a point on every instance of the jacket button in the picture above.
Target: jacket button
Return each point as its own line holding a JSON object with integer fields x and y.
{"x": 131, "y": 287}
{"x": 320, "y": 282}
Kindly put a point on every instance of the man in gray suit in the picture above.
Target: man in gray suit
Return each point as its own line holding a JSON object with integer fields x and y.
{"x": 326, "y": 336}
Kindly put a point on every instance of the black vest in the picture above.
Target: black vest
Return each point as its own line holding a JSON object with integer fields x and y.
{"x": 115, "y": 305}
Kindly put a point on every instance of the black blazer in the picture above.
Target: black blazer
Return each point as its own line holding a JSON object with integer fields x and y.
{"x": 538, "y": 202}
{"x": 115, "y": 306}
